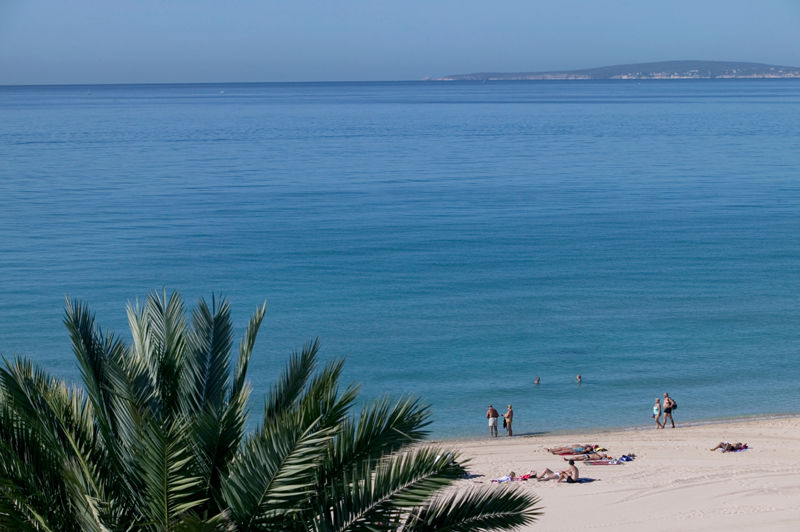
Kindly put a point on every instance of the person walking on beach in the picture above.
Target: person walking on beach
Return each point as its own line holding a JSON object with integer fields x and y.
{"x": 669, "y": 406}
{"x": 657, "y": 414}
{"x": 509, "y": 416}
{"x": 492, "y": 416}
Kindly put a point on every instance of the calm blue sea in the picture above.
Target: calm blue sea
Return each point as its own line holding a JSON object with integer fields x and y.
{"x": 452, "y": 240}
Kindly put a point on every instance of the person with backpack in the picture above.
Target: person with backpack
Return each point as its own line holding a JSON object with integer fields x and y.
{"x": 669, "y": 407}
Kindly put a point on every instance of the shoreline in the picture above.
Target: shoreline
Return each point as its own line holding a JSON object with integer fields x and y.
{"x": 615, "y": 429}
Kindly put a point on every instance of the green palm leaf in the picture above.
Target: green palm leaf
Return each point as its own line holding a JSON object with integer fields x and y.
{"x": 275, "y": 472}
{"x": 57, "y": 430}
{"x": 291, "y": 383}
{"x": 477, "y": 510}
{"x": 206, "y": 373}
{"x": 239, "y": 389}
{"x": 169, "y": 486}
{"x": 159, "y": 334}
{"x": 376, "y": 493}
{"x": 383, "y": 428}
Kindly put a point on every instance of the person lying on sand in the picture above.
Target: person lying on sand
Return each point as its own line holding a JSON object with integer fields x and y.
{"x": 588, "y": 456}
{"x": 573, "y": 449}
{"x": 729, "y": 447}
{"x": 547, "y": 474}
{"x": 511, "y": 477}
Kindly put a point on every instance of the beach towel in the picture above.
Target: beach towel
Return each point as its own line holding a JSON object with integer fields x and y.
{"x": 603, "y": 462}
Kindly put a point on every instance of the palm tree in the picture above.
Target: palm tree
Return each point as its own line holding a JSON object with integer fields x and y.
{"x": 156, "y": 439}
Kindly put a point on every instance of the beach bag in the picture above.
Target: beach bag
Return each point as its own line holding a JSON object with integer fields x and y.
{"x": 674, "y": 405}
{"x": 504, "y": 422}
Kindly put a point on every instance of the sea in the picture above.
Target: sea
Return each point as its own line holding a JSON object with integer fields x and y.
{"x": 449, "y": 240}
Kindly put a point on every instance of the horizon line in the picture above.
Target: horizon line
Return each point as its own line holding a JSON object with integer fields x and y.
{"x": 423, "y": 80}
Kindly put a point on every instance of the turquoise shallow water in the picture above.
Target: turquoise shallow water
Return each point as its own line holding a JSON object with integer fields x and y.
{"x": 453, "y": 240}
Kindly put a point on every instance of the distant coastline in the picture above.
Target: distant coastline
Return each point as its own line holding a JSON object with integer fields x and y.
{"x": 661, "y": 70}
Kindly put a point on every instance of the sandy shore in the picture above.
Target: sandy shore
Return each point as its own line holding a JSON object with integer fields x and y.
{"x": 675, "y": 482}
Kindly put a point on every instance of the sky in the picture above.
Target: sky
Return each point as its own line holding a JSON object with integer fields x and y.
{"x": 173, "y": 41}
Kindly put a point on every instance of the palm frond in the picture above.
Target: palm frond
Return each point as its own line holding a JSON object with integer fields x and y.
{"x": 45, "y": 422}
{"x": 217, "y": 439}
{"x": 167, "y": 327}
{"x": 376, "y": 493}
{"x": 239, "y": 389}
{"x": 99, "y": 359}
{"x": 275, "y": 471}
{"x": 274, "y": 476}
{"x": 206, "y": 373}
{"x": 89, "y": 509}
{"x": 16, "y": 512}
{"x": 291, "y": 383}
{"x": 218, "y": 523}
{"x": 159, "y": 341}
{"x": 322, "y": 394}
{"x": 383, "y": 427}
{"x": 27, "y": 500}
{"x": 169, "y": 486}
{"x": 480, "y": 509}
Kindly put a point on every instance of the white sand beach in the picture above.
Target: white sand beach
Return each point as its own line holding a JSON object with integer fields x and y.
{"x": 675, "y": 482}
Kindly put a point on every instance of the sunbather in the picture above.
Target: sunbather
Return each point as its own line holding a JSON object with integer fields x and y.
{"x": 588, "y": 456}
{"x": 511, "y": 477}
{"x": 570, "y": 475}
{"x": 547, "y": 474}
{"x": 729, "y": 447}
{"x": 574, "y": 449}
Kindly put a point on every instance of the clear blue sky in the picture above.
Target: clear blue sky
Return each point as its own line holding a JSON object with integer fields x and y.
{"x": 116, "y": 41}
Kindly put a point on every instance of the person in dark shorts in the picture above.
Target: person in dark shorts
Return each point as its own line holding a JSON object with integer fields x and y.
{"x": 669, "y": 406}
{"x": 569, "y": 475}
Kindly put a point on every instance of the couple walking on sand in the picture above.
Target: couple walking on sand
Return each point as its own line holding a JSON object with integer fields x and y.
{"x": 492, "y": 416}
{"x": 669, "y": 406}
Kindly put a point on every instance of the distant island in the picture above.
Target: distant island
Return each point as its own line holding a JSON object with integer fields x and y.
{"x": 660, "y": 70}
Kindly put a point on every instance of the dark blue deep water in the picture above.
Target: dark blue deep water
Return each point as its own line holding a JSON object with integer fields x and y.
{"x": 452, "y": 240}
